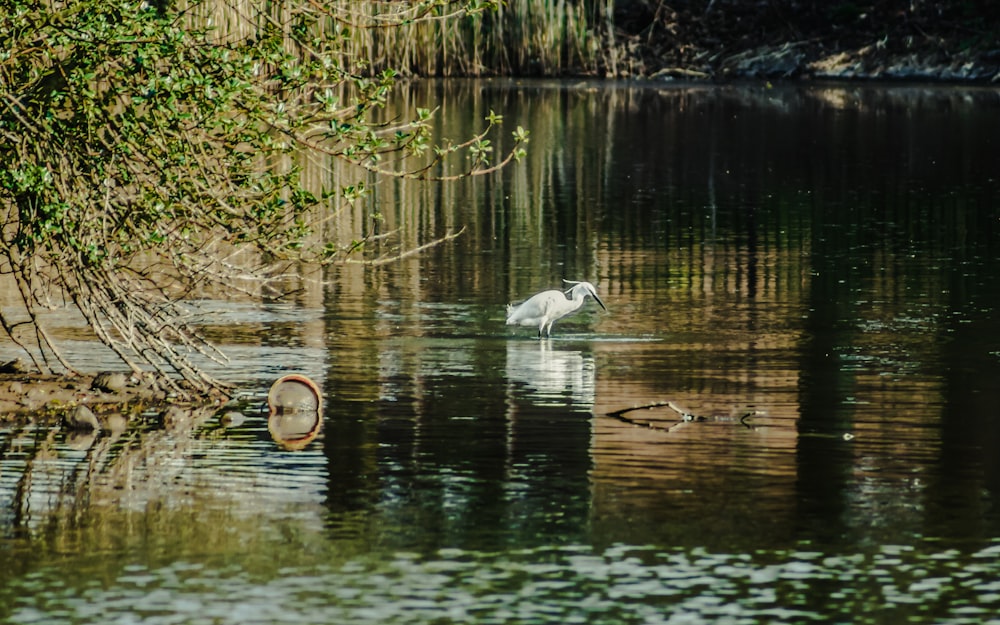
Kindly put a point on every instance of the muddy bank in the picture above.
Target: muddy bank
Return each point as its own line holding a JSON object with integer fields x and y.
{"x": 803, "y": 60}
{"x": 85, "y": 402}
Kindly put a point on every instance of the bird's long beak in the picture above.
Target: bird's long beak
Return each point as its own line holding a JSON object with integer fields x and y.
{"x": 598, "y": 300}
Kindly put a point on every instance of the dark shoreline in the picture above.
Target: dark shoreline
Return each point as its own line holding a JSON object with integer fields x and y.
{"x": 949, "y": 42}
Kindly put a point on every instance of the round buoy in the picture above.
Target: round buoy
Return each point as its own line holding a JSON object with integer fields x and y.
{"x": 294, "y": 393}
{"x": 295, "y": 415}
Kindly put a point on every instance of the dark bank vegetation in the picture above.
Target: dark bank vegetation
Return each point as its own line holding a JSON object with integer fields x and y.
{"x": 919, "y": 39}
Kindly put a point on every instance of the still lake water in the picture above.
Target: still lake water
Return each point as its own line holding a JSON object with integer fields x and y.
{"x": 813, "y": 272}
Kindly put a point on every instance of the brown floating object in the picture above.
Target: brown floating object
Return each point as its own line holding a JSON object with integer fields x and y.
{"x": 296, "y": 406}
{"x": 294, "y": 393}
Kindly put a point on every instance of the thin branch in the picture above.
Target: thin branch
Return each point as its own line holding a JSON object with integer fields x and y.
{"x": 384, "y": 260}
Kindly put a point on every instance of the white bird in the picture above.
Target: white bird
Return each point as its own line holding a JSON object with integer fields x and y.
{"x": 547, "y": 307}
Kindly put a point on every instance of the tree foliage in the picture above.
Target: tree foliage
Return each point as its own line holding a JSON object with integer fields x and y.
{"x": 146, "y": 153}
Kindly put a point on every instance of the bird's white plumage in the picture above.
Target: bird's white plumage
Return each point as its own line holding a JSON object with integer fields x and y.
{"x": 545, "y": 308}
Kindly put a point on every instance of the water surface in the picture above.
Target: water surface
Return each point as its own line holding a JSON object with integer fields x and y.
{"x": 808, "y": 273}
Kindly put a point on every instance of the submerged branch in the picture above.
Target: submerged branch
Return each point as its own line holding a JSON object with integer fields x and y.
{"x": 685, "y": 417}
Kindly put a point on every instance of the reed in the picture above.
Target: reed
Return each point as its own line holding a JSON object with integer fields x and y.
{"x": 520, "y": 38}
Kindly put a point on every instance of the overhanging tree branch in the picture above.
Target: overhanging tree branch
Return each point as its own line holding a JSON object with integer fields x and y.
{"x": 146, "y": 155}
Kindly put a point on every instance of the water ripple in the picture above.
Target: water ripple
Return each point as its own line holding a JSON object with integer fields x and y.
{"x": 573, "y": 584}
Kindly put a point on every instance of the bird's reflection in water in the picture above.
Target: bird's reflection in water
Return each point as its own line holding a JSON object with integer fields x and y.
{"x": 550, "y": 374}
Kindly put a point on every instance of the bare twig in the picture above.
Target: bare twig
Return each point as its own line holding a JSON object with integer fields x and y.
{"x": 383, "y": 260}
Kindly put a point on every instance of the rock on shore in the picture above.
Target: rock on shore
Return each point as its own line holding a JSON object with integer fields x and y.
{"x": 81, "y": 402}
